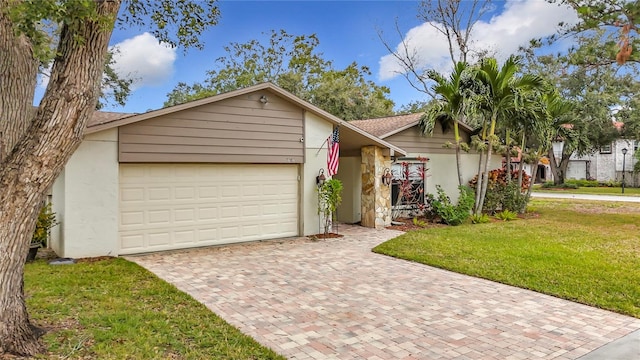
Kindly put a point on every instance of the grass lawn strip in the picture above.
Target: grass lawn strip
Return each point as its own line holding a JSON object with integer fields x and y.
{"x": 582, "y": 251}
{"x": 115, "y": 309}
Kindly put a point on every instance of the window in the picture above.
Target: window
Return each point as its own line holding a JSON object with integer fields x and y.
{"x": 407, "y": 187}
{"x": 605, "y": 149}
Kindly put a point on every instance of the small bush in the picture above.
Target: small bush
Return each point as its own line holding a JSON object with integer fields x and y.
{"x": 513, "y": 199}
{"x": 611, "y": 183}
{"x": 566, "y": 185}
{"x": 46, "y": 220}
{"x": 449, "y": 213}
{"x": 480, "y": 219}
{"x": 507, "y": 215}
{"x": 503, "y": 194}
{"x": 583, "y": 183}
{"x": 418, "y": 222}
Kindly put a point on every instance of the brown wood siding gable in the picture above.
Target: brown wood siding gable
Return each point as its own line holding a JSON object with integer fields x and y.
{"x": 414, "y": 142}
{"x": 236, "y": 130}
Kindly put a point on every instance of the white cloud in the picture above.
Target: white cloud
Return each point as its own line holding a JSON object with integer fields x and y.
{"x": 519, "y": 22}
{"x": 145, "y": 60}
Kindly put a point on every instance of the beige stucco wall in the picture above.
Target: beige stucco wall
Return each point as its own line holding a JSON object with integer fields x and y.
{"x": 349, "y": 174}
{"x": 316, "y": 131}
{"x": 85, "y": 198}
{"x": 442, "y": 171}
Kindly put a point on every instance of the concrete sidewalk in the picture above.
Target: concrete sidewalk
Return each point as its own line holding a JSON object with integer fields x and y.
{"x": 335, "y": 299}
{"x": 586, "y": 197}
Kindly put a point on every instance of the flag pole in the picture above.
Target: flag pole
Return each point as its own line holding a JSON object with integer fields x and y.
{"x": 325, "y": 141}
{"x": 322, "y": 146}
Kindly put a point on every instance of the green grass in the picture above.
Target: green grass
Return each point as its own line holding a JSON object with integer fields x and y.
{"x": 587, "y": 252}
{"x": 115, "y": 309}
{"x": 602, "y": 190}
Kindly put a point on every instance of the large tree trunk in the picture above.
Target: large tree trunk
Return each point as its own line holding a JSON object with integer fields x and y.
{"x": 18, "y": 77}
{"x": 562, "y": 169}
{"x": 38, "y": 156}
{"x": 559, "y": 170}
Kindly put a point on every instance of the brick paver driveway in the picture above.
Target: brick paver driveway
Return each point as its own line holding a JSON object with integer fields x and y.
{"x": 334, "y": 299}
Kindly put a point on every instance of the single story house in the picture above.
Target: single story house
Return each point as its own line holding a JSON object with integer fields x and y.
{"x": 234, "y": 167}
{"x": 404, "y": 132}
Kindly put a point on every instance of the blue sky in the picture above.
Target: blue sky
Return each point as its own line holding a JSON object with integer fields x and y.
{"x": 347, "y": 31}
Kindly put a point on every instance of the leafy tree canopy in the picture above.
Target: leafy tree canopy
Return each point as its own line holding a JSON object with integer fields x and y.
{"x": 620, "y": 19}
{"x": 600, "y": 94}
{"x": 293, "y": 63}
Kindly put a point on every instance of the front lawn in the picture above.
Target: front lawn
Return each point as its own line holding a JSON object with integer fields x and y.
{"x": 587, "y": 252}
{"x": 115, "y": 309}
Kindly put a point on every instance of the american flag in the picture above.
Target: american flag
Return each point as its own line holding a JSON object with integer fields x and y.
{"x": 333, "y": 153}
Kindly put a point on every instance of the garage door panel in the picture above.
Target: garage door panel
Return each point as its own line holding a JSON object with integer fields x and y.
{"x": 131, "y": 242}
{"x": 185, "y": 193}
{"x": 173, "y": 206}
{"x": 185, "y": 237}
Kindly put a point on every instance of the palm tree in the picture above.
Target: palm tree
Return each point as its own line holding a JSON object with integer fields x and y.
{"x": 449, "y": 106}
{"x": 501, "y": 100}
{"x": 555, "y": 107}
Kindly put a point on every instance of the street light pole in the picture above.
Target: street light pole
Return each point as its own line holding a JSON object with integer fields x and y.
{"x": 624, "y": 157}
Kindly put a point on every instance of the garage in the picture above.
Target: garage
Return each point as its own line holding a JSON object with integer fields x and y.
{"x": 234, "y": 167}
{"x": 177, "y": 206}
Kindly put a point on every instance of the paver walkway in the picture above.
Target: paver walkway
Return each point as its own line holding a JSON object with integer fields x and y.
{"x": 335, "y": 299}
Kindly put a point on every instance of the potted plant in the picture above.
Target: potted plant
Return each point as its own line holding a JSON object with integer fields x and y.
{"x": 329, "y": 197}
{"x": 46, "y": 220}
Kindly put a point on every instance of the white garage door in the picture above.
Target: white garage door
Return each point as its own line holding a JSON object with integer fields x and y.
{"x": 176, "y": 206}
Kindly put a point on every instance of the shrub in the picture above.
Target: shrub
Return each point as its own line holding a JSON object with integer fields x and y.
{"x": 583, "y": 183}
{"x": 503, "y": 194}
{"x": 46, "y": 220}
{"x": 480, "y": 219}
{"x": 611, "y": 183}
{"x": 548, "y": 184}
{"x": 499, "y": 177}
{"x": 452, "y": 214}
{"x": 506, "y": 215}
{"x": 418, "y": 222}
{"x": 513, "y": 199}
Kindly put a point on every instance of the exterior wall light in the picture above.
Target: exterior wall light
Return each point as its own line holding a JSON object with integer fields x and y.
{"x": 264, "y": 99}
{"x": 320, "y": 178}
{"x": 387, "y": 177}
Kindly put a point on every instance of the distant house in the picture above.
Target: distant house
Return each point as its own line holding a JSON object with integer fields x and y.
{"x": 544, "y": 169}
{"x": 606, "y": 164}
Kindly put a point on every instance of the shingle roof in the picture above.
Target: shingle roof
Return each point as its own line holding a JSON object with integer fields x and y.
{"x": 382, "y": 126}
{"x": 104, "y": 117}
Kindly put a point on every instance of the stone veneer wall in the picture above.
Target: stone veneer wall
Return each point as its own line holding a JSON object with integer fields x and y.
{"x": 376, "y": 197}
